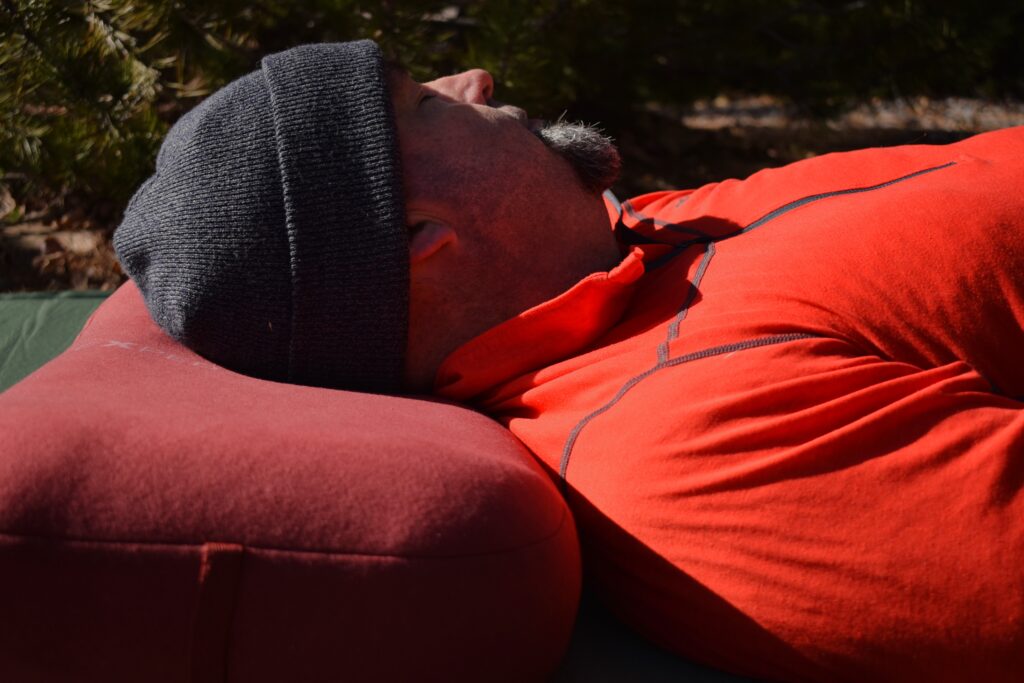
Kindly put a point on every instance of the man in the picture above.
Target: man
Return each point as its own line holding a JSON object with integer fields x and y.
{"x": 785, "y": 411}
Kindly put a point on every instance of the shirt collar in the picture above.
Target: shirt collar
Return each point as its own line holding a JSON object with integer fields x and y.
{"x": 542, "y": 335}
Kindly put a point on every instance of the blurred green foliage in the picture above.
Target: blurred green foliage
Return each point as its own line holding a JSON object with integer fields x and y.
{"x": 89, "y": 88}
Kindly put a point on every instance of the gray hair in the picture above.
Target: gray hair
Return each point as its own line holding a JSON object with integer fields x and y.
{"x": 588, "y": 150}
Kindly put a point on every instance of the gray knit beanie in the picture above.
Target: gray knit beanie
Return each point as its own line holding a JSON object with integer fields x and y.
{"x": 271, "y": 239}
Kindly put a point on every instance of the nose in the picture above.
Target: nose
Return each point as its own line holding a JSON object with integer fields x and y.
{"x": 473, "y": 87}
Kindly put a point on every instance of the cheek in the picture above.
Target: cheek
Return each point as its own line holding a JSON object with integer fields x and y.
{"x": 505, "y": 192}
{"x": 476, "y": 164}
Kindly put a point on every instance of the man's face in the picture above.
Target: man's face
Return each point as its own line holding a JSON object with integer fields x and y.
{"x": 498, "y": 221}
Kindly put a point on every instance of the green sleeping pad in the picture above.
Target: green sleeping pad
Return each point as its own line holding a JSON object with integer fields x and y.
{"x": 36, "y": 326}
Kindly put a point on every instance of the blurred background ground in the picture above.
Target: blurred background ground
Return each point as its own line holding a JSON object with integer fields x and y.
{"x": 693, "y": 91}
{"x": 732, "y": 137}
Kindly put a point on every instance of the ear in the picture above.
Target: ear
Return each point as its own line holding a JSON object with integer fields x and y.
{"x": 428, "y": 237}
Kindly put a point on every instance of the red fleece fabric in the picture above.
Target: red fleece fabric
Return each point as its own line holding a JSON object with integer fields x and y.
{"x": 789, "y": 424}
{"x": 164, "y": 519}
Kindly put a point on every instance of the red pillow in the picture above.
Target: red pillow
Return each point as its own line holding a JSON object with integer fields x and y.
{"x": 165, "y": 519}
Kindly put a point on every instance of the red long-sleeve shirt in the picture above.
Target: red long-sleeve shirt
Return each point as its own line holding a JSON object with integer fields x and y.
{"x": 790, "y": 424}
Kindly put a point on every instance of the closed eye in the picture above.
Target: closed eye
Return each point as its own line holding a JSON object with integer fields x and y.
{"x": 424, "y": 97}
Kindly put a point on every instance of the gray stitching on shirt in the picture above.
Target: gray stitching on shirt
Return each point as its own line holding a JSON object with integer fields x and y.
{"x": 673, "y": 328}
{"x": 673, "y": 332}
{"x": 775, "y": 213}
{"x": 632, "y": 382}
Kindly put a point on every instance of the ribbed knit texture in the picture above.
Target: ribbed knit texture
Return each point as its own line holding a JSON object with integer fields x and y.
{"x": 271, "y": 238}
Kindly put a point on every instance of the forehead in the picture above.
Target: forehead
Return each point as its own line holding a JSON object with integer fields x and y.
{"x": 398, "y": 77}
{"x": 394, "y": 71}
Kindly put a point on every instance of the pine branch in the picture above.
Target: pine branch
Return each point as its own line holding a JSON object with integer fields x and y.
{"x": 61, "y": 78}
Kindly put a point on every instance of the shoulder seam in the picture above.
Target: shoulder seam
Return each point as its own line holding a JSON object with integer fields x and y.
{"x": 709, "y": 252}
